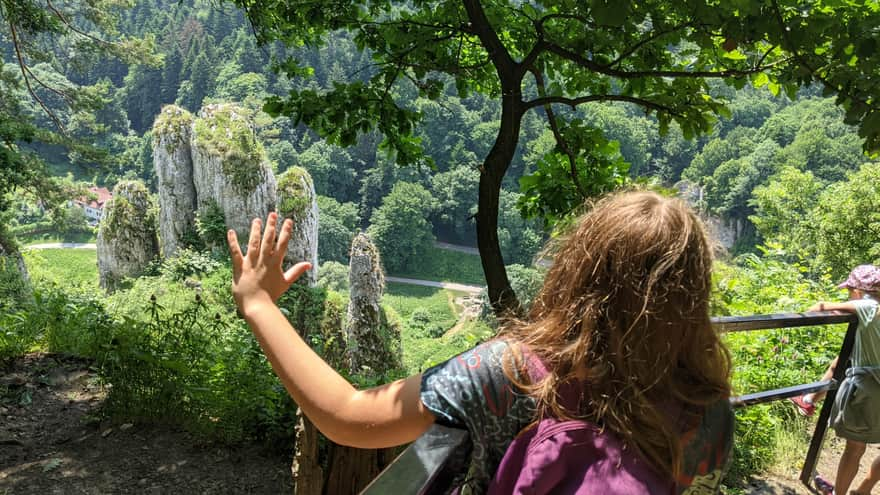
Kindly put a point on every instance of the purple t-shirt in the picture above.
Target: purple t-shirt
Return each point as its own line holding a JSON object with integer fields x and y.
{"x": 471, "y": 391}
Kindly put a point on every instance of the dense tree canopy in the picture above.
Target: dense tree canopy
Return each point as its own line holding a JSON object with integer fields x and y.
{"x": 39, "y": 105}
{"x": 656, "y": 55}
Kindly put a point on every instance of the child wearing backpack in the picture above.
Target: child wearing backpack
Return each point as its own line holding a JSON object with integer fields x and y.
{"x": 855, "y": 416}
{"x": 615, "y": 383}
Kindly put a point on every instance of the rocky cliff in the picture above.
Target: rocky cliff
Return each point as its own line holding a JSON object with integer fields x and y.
{"x": 372, "y": 344}
{"x": 172, "y": 159}
{"x": 127, "y": 240}
{"x": 297, "y": 201}
{"x": 230, "y": 167}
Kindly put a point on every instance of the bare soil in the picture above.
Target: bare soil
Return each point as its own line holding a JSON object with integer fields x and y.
{"x": 52, "y": 440}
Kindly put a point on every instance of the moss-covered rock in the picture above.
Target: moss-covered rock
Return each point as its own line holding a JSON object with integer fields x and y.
{"x": 230, "y": 166}
{"x": 172, "y": 127}
{"x": 373, "y": 344}
{"x": 127, "y": 236}
{"x": 225, "y": 131}
{"x": 297, "y": 201}
{"x": 172, "y": 159}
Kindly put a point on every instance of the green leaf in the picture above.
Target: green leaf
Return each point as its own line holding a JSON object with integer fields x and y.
{"x": 734, "y": 55}
{"x": 760, "y": 80}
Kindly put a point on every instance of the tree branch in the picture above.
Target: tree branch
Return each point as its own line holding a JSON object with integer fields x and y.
{"x": 557, "y": 134}
{"x": 24, "y": 74}
{"x": 629, "y": 51}
{"x": 622, "y": 74}
{"x": 803, "y": 63}
{"x": 73, "y": 28}
{"x": 573, "y": 102}
{"x": 499, "y": 55}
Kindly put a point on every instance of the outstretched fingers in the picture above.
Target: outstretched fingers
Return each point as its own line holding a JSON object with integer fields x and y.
{"x": 284, "y": 236}
{"x": 296, "y": 271}
{"x": 234, "y": 252}
{"x": 268, "y": 246}
{"x": 253, "y": 251}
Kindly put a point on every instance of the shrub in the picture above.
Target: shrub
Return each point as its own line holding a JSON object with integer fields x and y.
{"x": 421, "y": 326}
{"x": 211, "y": 224}
{"x": 333, "y": 275}
{"x": 187, "y": 262}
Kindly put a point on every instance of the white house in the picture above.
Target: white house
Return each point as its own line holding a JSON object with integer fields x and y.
{"x": 94, "y": 207}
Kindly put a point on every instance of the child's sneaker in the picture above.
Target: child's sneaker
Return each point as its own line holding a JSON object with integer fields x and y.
{"x": 823, "y": 486}
{"x": 804, "y": 408}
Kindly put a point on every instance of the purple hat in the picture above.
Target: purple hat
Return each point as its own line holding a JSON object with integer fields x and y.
{"x": 863, "y": 277}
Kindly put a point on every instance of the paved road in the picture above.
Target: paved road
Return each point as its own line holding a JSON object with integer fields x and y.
{"x": 62, "y": 245}
{"x": 456, "y": 247}
{"x": 471, "y": 289}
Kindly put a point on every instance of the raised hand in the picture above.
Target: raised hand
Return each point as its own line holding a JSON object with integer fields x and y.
{"x": 258, "y": 277}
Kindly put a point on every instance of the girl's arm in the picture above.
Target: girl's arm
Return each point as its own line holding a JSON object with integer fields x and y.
{"x": 833, "y": 306}
{"x": 384, "y": 416}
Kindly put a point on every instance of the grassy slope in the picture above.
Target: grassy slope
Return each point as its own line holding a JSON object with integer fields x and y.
{"x": 65, "y": 267}
{"x": 447, "y": 266}
{"x": 77, "y": 267}
{"x": 421, "y": 351}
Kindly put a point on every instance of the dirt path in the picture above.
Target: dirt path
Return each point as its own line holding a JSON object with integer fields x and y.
{"x": 52, "y": 441}
{"x": 455, "y": 247}
{"x": 784, "y": 479}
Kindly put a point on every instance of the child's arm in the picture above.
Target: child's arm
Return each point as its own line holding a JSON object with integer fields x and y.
{"x": 847, "y": 306}
{"x": 383, "y": 416}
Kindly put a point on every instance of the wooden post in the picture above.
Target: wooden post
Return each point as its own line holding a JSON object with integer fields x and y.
{"x": 822, "y": 424}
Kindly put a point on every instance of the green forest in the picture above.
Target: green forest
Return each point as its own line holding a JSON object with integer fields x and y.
{"x": 402, "y": 118}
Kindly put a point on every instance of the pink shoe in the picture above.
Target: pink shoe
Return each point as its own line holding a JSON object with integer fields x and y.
{"x": 804, "y": 408}
{"x": 824, "y": 487}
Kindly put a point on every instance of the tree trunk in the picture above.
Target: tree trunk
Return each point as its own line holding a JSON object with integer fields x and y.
{"x": 492, "y": 172}
{"x": 306, "y": 468}
{"x": 353, "y": 469}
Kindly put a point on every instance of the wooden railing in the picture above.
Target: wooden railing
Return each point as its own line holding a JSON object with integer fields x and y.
{"x": 428, "y": 465}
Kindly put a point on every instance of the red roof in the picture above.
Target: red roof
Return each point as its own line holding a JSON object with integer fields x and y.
{"x": 103, "y": 195}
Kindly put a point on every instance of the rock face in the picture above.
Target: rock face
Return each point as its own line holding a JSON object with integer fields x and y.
{"x": 372, "y": 351}
{"x": 230, "y": 167}
{"x": 127, "y": 239}
{"x": 15, "y": 288}
{"x": 172, "y": 158}
{"x": 297, "y": 201}
{"x": 369, "y": 350}
{"x": 10, "y": 252}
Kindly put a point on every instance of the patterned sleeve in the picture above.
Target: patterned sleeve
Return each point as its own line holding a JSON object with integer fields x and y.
{"x": 467, "y": 388}
{"x": 470, "y": 391}
{"x": 866, "y": 309}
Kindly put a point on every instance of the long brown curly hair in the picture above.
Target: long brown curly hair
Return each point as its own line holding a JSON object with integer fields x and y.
{"x": 625, "y": 310}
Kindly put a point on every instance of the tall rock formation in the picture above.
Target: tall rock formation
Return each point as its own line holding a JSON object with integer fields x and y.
{"x": 371, "y": 345}
{"x": 373, "y": 350}
{"x": 230, "y": 167}
{"x": 172, "y": 159}
{"x": 297, "y": 201}
{"x": 127, "y": 240}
